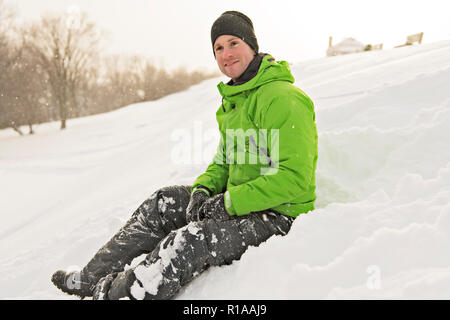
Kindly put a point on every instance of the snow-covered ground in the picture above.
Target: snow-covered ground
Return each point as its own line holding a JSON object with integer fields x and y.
{"x": 382, "y": 224}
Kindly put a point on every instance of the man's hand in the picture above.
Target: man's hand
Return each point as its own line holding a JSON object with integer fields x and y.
{"x": 214, "y": 208}
{"x": 192, "y": 211}
{"x": 102, "y": 287}
{"x": 114, "y": 286}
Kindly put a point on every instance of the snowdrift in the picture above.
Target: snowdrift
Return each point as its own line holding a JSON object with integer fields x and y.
{"x": 381, "y": 227}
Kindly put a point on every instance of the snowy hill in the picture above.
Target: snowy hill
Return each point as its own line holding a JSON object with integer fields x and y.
{"x": 381, "y": 227}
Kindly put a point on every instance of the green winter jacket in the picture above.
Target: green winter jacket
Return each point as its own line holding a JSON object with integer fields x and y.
{"x": 267, "y": 153}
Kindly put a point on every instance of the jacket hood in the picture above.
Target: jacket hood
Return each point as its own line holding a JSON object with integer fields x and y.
{"x": 269, "y": 70}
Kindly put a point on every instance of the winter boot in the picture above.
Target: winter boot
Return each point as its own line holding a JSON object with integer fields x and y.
{"x": 72, "y": 283}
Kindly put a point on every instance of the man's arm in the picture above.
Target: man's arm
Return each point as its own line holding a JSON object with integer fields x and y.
{"x": 293, "y": 117}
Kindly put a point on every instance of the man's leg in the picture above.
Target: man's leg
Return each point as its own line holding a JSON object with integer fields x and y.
{"x": 155, "y": 218}
{"x": 188, "y": 251}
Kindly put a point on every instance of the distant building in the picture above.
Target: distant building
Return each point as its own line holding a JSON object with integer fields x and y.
{"x": 348, "y": 45}
{"x": 411, "y": 39}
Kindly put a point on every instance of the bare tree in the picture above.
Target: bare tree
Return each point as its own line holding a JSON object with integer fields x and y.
{"x": 66, "y": 47}
{"x": 9, "y": 54}
{"x": 29, "y": 84}
{"x": 49, "y": 71}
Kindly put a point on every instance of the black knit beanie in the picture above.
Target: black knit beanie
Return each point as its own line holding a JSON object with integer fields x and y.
{"x": 236, "y": 24}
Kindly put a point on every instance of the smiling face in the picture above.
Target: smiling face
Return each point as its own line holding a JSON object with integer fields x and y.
{"x": 233, "y": 55}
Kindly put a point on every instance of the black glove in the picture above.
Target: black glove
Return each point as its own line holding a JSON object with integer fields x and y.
{"x": 197, "y": 199}
{"x": 214, "y": 208}
{"x": 102, "y": 287}
{"x": 114, "y": 286}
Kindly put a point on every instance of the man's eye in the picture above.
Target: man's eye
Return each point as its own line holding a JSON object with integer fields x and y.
{"x": 234, "y": 43}
{"x": 218, "y": 48}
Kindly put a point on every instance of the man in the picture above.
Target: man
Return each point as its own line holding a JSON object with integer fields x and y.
{"x": 261, "y": 178}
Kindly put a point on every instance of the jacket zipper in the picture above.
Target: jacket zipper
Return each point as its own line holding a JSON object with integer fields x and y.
{"x": 264, "y": 151}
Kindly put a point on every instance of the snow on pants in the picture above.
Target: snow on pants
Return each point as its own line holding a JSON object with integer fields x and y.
{"x": 177, "y": 251}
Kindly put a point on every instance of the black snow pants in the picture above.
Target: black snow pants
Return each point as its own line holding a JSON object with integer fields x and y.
{"x": 177, "y": 251}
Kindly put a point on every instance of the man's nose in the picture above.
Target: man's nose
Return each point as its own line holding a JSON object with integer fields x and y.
{"x": 227, "y": 52}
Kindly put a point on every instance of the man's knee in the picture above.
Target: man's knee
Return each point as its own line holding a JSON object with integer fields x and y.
{"x": 172, "y": 203}
{"x": 172, "y": 198}
{"x": 165, "y": 207}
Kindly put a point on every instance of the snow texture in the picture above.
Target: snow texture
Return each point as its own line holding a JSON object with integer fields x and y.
{"x": 381, "y": 225}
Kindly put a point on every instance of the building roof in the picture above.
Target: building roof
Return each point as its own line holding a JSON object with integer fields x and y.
{"x": 348, "y": 45}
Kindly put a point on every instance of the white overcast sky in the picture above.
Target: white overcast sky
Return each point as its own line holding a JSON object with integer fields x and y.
{"x": 177, "y": 33}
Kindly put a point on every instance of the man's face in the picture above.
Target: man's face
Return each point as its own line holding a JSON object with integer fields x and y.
{"x": 232, "y": 55}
